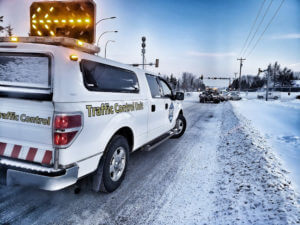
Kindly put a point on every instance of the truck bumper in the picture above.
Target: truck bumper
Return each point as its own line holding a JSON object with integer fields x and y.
{"x": 50, "y": 180}
{"x": 49, "y": 183}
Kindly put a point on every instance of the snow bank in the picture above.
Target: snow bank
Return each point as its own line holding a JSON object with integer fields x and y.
{"x": 279, "y": 123}
{"x": 283, "y": 96}
{"x": 253, "y": 188}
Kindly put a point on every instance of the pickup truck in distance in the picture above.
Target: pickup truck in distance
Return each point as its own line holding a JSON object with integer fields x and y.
{"x": 66, "y": 113}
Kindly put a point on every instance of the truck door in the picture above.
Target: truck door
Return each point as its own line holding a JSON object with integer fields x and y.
{"x": 26, "y": 109}
{"x": 169, "y": 105}
{"x": 156, "y": 114}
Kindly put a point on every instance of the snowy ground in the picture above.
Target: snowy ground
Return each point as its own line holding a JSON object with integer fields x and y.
{"x": 279, "y": 123}
{"x": 220, "y": 172}
{"x": 283, "y": 96}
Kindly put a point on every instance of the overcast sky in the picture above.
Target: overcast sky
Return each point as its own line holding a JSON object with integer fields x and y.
{"x": 198, "y": 36}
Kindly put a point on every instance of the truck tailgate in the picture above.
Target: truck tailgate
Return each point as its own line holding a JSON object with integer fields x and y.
{"x": 26, "y": 130}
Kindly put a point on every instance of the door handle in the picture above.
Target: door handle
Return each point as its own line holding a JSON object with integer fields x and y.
{"x": 152, "y": 108}
{"x": 167, "y": 105}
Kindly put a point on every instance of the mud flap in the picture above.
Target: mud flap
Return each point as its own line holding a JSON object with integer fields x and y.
{"x": 3, "y": 172}
{"x": 98, "y": 185}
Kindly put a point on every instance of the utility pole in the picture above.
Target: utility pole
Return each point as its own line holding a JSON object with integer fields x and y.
{"x": 241, "y": 65}
{"x": 267, "y": 85}
{"x": 267, "y": 88}
{"x": 143, "y": 50}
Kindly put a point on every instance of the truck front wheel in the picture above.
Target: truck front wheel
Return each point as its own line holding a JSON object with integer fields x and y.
{"x": 180, "y": 126}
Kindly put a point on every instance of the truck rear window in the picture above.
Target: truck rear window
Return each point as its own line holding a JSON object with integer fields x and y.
{"x": 24, "y": 70}
{"x": 105, "y": 78}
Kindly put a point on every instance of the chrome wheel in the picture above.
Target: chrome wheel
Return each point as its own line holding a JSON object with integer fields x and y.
{"x": 179, "y": 125}
{"x": 117, "y": 164}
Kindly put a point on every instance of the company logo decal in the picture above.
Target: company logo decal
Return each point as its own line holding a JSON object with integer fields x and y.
{"x": 25, "y": 119}
{"x": 107, "y": 109}
{"x": 171, "y": 112}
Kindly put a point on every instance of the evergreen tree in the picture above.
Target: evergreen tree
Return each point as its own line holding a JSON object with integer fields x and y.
{"x": 1, "y": 27}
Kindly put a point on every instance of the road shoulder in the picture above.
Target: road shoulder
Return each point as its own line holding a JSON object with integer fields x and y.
{"x": 253, "y": 187}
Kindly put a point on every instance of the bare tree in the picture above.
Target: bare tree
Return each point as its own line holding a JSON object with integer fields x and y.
{"x": 1, "y": 27}
{"x": 189, "y": 82}
{"x": 9, "y": 30}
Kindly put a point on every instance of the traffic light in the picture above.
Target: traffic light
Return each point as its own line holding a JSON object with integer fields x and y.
{"x": 156, "y": 63}
{"x": 201, "y": 77}
{"x": 143, "y": 42}
{"x": 74, "y": 19}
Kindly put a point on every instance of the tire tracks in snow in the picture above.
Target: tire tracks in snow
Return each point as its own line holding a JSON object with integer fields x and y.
{"x": 149, "y": 174}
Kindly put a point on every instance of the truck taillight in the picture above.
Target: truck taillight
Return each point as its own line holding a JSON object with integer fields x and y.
{"x": 65, "y": 128}
{"x": 67, "y": 121}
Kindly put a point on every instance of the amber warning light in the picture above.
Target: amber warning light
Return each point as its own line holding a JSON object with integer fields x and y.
{"x": 74, "y": 19}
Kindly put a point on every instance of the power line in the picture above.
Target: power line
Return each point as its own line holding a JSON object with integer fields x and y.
{"x": 253, "y": 25}
{"x": 275, "y": 14}
{"x": 262, "y": 20}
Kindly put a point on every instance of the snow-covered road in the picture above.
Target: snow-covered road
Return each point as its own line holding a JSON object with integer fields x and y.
{"x": 220, "y": 172}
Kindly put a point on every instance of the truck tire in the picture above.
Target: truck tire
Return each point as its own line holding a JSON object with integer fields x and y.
{"x": 115, "y": 163}
{"x": 181, "y": 124}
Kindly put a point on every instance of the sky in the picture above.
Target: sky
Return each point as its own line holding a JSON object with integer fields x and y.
{"x": 197, "y": 36}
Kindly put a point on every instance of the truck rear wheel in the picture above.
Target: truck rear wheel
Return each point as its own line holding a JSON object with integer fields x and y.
{"x": 180, "y": 125}
{"x": 115, "y": 163}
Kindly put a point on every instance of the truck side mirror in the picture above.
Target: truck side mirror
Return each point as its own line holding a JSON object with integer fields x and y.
{"x": 179, "y": 96}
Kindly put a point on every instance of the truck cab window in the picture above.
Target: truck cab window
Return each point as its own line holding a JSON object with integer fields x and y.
{"x": 154, "y": 86}
{"x": 167, "y": 92}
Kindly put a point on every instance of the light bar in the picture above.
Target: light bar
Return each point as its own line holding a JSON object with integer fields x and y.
{"x": 61, "y": 41}
{"x": 73, "y": 19}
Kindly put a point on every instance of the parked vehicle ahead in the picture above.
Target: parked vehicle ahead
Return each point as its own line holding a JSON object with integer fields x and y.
{"x": 234, "y": 95}
{"x": 271, "y": 95}
{"x": 66, "y": 114}
{"x": 224, "y": 96}
{"x": 209, "y": 97}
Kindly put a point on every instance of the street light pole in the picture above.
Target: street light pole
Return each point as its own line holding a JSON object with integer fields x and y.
{"x": 106, "y": 46}
{"x": 111, "y": 31}
{"x": 108, "y": 18}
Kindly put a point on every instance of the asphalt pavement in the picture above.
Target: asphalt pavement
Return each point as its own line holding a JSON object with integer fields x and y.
{"x": 182, "y": 181}
{"x": 135, "y": 202}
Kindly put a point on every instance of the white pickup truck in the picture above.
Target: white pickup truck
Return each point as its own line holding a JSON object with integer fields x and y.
{"x": 66, "y": 114}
